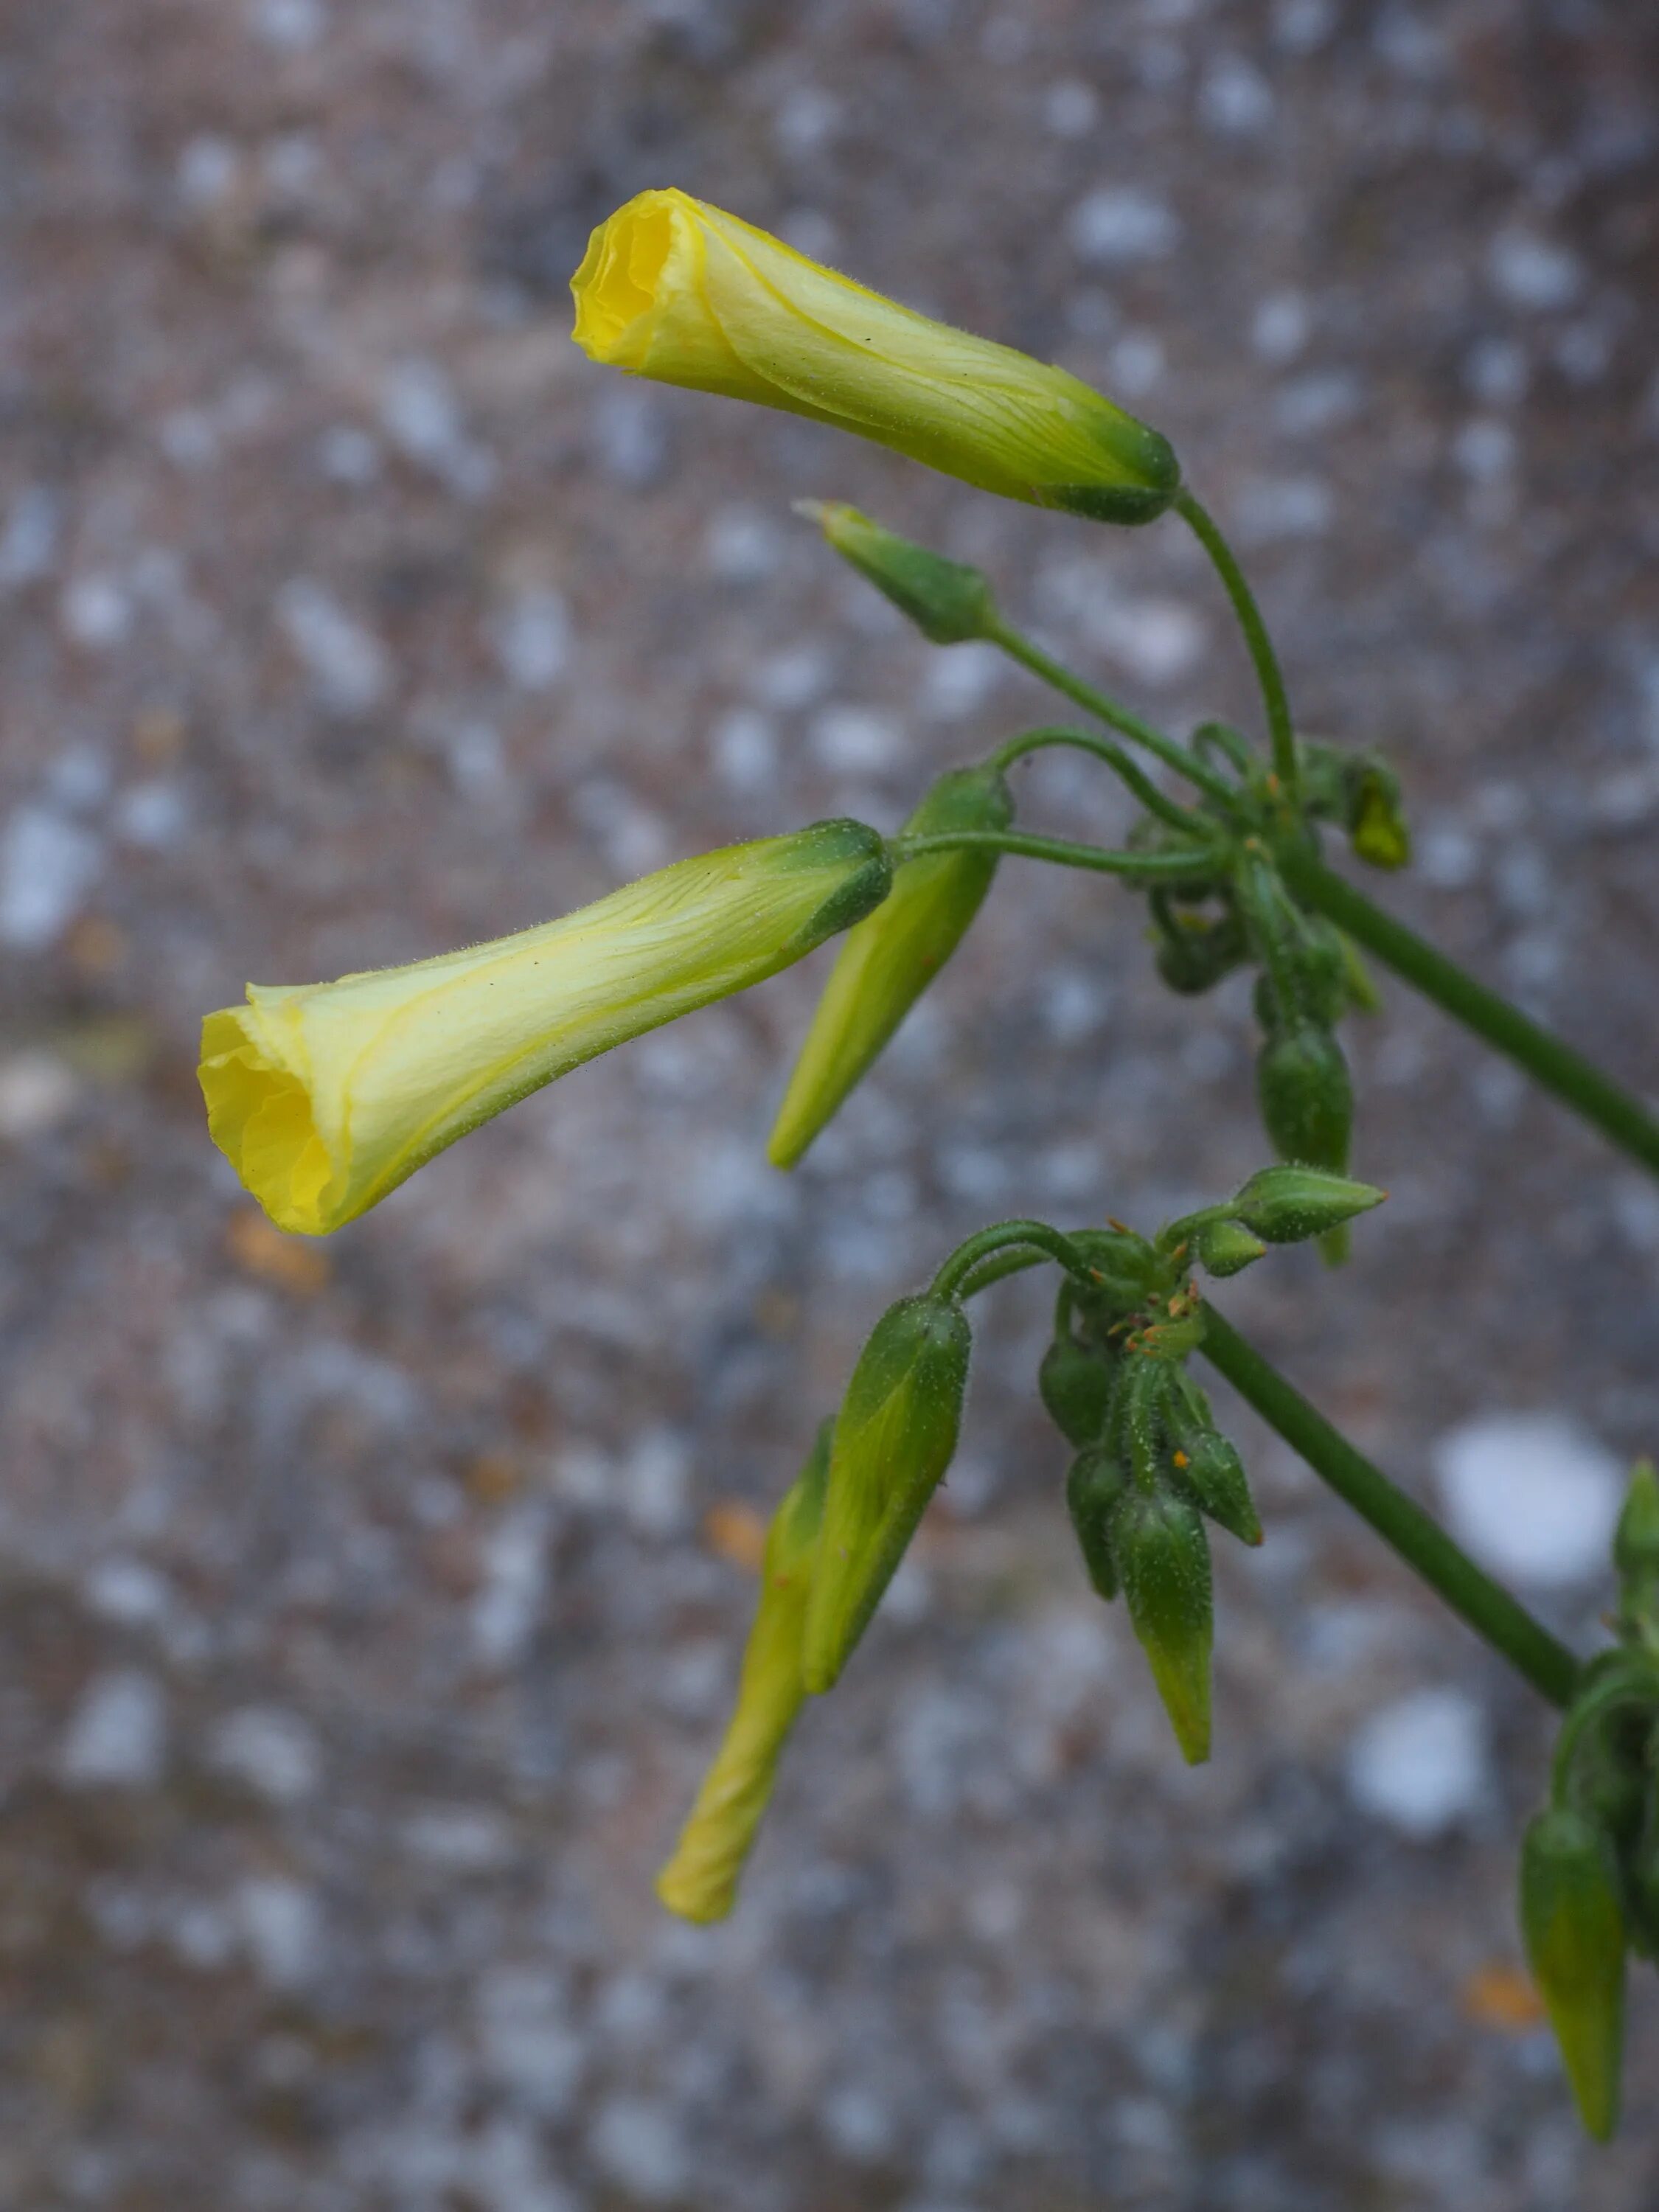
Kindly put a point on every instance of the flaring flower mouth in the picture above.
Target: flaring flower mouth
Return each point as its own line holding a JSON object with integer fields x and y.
{"x": 326, "y": 1096}
{"x": 682, "y": 292}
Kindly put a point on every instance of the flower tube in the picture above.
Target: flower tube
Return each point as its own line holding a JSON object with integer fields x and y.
{"x": 679, "y": 291}
{"x": 324, "y": 1096}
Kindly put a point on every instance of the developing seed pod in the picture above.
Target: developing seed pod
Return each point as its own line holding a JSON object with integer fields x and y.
{"x": 1214, "y": 1474}
{"x": 1375, "y": 816}
{"x": 1574, "y": 1932}
{"x": 1195, "y": 951}
{"x": 895, "y": 1436}
{"x": 1075, "y": 1384}
{"x": 1306, "y": 1097}
{"x": 1094, "y": 1484}
{"x": 1163, "y": 1561}
{"x": 881, "y": 972}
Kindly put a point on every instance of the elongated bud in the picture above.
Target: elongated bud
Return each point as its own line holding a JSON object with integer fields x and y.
{"x": 1574, "y": 1932}
{"x": 673, "y": 289}
{"x": 1095, "y": 1482}
{"x": 890, "y": 959}
{"x": 699, "y": 1882}
{"x": 1163, "y": 1560}
{"x": 1075, "y": 1385}
{"x": 895, "y": 1436}
{"x": 1224, "y": 1247}
{"x": 324, "y": 1096}
{"x": 1288, "y": 1205}
{"x": 949, "y": 601}
{"x": 1306, "y": 1097}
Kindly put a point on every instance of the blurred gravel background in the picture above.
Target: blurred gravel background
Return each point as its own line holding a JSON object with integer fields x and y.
{"x": 369, "y": 1608}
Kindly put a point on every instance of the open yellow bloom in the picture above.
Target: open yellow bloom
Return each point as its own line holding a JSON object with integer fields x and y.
{"x": 673, "y": 289}
{"x": 701, "y": 1880}
{"x": 324, "y": 1096}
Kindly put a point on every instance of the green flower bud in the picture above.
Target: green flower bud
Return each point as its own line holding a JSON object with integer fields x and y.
{"x": 1306, "y": 1097}
{"x": 699, "y": 1882}
{"x": 1096, "y": 1481}
{"x": 882, "y": 970}
{"x": 1375, "y": 819}
{"x": 1224, "y": 1247}
{"x": 1194, "y": 951}
{"x": 1636, "y": 1540}
{"x": 1287, "y": 1205}
{"x": 1123, "y": 1266}
{"x": 949, "y": 601}
{"x": 1075, "y": 1385}
{"x": 1163, "y": 1561}
{"x": 895, "y": 1436}
{"x": 1574, "y": 1932}
{"x": 1208, "y": 1465}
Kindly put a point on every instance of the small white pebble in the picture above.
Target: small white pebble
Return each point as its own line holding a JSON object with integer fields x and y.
{"x": 47, "y": 865}
{"x": 1071, "y": 108}
{"x": 1534, "y": 1495}
{"x": 1280, "y": 327}
{"x": 1485, "y": 450}
{"x": 742, "y": 544}
{"x": 1532, "y": 272}
{"x": 348, "y": 455}
{"x": 531, "y": 638}
{"x": 95, "y": 611}
{"x": 289, "y": 26}
{"x": 270, "y": 1750}
{"x": 117, "y": 1738}
{"x": 856, "y": 740}
{"x": 206, "y": 171}
{"x": 744, "y": 749}
{"x": 349, "y": 665}
{"x": 807, "y": 120}
{"x": 1122, "y": 223}
{"x": 636, "y": 2143}
{"x": 37, "y": 1091}
{"x": 1235, "y": 99}
{"x": 961, "y": 681}
{"x": 281, "y": 1928}
{"x": 128, "y": 1591}
{"x": 30, "y": 538}
{"x": 1420, "y": 1764}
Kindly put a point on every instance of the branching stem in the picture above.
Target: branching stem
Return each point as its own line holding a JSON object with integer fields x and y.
{"x": 1267, "y": 672}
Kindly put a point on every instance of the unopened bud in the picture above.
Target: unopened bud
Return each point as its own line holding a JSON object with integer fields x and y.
{"x": 1306, "y": 1097}
{"x": 1163, "y": 1560}
{"x": 895, "y": 1436}
{"x": 1075, "y": 1385}
{"x": 1287, "y": 1205}
{"x": 1094, "y": 1484}
{"x": 1376, "y": 824}
{"x": 1224, "y": 1247}
{"x": 949, "y": 601}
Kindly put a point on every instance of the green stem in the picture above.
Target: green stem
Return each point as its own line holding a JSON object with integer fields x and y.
{"x": 965, "y": 1262}
{"x": 1060, "y": 678}
{"x": 1199, "y": 861}
{"x": 1557, "y": 1066}
{"x": 1012, "y": 1261}
{"x": 1267, "y": 672}
{"x": 1399, "y": 1521}
{"x": 1627, "y": 1688}
{"x": 1145, "y": 789}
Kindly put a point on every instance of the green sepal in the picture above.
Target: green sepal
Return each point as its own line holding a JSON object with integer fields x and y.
{"x": 1094, "y": 1483}
{"x": 1288, "y": 1204}
{"x": 1214, "y": 1474}
{"x": 1225, "y": 1248}
{"x": 890, "y": 958}
{"x": 949, "y": 601}
{"x": 895, "y": 1436}
{"x": 1123, "y": 1269}
{"x": 1574, "y": 1931}
{"x": 1163, "y": 1560}
{"x": 1075, "y": 1385}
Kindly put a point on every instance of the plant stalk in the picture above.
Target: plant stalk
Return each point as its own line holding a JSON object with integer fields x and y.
{"x": 1268, "y": 673}
{"x": 1420, "y": 1542}
{"x": 1198, "y": 861}
{"x": 1560, "y": 1070}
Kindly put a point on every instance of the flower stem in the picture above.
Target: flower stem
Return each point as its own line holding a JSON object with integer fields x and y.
{"x": 1197, "y": 861}
{"x": 967, "y": 1264}
{"x": 1060, "y": 678}
{"x": 1419, "y": 1540}
{"x": 1267, "y": 672}
{"x": 1557, "y": 1066}
{"x": 1103, "y": 749}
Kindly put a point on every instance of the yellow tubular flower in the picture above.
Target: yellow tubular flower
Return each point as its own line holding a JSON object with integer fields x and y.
{"x": 324, "y": 1096}
{"x": 674, "y": 289}
{"x": 701, "y": 1880}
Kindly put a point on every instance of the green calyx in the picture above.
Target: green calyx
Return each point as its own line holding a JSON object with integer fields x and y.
{"x": 1573, "y": 1927}
{"x": 1162, "y": 1558}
